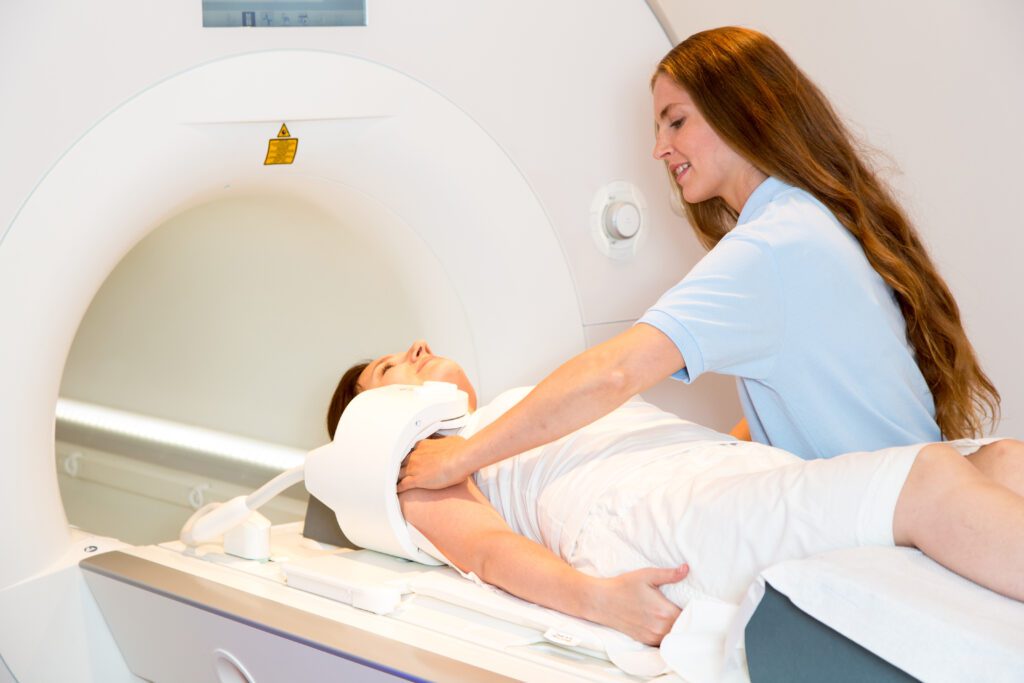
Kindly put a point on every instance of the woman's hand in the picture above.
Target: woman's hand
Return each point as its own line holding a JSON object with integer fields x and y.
{"x": 434, "y": 464}
{"x": 633, "y": 604}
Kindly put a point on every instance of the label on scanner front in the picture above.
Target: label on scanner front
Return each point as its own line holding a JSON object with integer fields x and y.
{"x": 282, "y": 149}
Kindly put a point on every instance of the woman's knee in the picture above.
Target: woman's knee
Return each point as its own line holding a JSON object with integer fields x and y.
{"x": 1000, "y": 460}
{"x": 1002, "y": 452}
{"x": 938, "y": 466}
{"x": 939, "y": 471}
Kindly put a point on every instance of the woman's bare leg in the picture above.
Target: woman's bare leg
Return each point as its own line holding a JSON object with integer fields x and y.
{"x": 963, "y": 520}
{"x": 1003, "y": 461}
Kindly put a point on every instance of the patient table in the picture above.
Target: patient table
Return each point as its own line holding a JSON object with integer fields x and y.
{"x": 862, "y": 614}
{"x": 254, "y": 626}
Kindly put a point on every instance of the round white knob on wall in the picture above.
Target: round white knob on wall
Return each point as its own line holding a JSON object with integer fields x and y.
{"x": 618, "y": 219}
{"x": 622, "y": 220}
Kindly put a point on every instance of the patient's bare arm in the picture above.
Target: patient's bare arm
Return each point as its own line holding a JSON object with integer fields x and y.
{"x": 464, "y": 526}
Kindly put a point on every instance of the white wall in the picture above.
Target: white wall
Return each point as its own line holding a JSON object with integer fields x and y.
{"x": 936, "y": 85}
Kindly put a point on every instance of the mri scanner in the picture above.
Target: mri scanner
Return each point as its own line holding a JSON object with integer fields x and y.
{"x": 497, "y": 152}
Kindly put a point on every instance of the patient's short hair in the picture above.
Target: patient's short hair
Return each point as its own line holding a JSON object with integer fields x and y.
{"x": 348, "y": 388}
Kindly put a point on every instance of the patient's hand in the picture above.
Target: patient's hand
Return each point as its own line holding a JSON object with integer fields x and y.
{"x": 633, "y": 604}
{"x": 433, "y": 464}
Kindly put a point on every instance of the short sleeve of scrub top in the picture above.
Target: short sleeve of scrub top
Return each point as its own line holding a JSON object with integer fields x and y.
{"x": 788, "y": 303}
{"x": 726, "y": 315}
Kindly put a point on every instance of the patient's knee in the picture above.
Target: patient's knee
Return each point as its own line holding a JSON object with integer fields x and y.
{"x": 999, "y": 459}
{"x": 938, "y": 472}
{"x": 1005, "y": 449}
{"x": 938, "y": 469}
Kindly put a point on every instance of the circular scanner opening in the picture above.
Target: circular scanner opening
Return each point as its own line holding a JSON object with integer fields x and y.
{"x": 238, "y": 316}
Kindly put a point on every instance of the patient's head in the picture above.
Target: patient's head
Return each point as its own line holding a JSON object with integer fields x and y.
{"x": 415, "y": 365}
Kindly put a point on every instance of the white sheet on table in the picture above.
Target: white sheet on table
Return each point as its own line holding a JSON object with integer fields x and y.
{"x": 895, "y": 602}
{"x": 910, "y": 611}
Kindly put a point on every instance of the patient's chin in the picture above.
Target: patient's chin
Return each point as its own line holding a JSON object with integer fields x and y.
{"x": 447, "y": 370}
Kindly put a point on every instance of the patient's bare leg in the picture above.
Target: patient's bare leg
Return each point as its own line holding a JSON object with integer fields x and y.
{"x": 1003, "y": 461}
{"x": 963, "y": 519}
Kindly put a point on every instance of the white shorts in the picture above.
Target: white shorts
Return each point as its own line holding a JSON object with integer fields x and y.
{"x": 731, "y": 526}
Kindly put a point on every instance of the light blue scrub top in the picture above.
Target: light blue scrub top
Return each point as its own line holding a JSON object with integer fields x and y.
{"x": 788, "y": 303}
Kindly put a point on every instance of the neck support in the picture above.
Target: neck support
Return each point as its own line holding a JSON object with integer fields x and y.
{"x": 355, "y": 475}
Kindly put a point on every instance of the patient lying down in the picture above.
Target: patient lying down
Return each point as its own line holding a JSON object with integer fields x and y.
{"x": 626, "y": 520}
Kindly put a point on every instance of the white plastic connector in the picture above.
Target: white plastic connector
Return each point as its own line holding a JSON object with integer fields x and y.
{"x": 216, "y": 519}
{"x": 207, "y": 524}
{"x": 249, "y": 540}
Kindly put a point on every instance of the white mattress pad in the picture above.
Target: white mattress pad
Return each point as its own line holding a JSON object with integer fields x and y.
{"x": 910, "y": 611}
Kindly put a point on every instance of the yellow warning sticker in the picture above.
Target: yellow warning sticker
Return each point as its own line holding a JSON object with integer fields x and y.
{"x": 281, "y": 150}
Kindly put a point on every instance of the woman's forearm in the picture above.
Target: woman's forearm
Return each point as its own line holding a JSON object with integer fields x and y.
{"x": 631, "y": 602}
{"x": 583, "y": 389}
{"x": 580, "y": 391}
{"x": 528, "y": 570}
{"x": 466, "y": 529}
{"x": 464, "y": 526}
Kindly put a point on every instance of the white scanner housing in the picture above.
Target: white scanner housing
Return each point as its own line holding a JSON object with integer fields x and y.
{"x": 356, "y": 474}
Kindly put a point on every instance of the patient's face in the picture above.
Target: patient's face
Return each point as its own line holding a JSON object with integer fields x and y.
{"x": 415, "y": 365}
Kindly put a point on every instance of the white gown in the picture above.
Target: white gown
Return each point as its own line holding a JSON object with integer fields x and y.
{"x": 642, "y": 487}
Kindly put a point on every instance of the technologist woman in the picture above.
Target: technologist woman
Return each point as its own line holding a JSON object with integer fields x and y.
{"x": 816, "y": 292}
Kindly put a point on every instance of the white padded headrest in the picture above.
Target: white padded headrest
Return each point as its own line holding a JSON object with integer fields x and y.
{"x": 355, "y": 475}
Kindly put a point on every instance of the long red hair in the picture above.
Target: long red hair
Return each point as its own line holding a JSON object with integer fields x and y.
{"x": 764, "y": 107}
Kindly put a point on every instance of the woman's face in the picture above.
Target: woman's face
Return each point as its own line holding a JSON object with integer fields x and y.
{"x": 700, "y": 161}
{"x": 415, "y": 365}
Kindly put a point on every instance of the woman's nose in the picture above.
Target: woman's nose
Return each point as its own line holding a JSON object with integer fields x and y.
{"x": 418, "y": 348}
{"x": 661, "y": 149}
